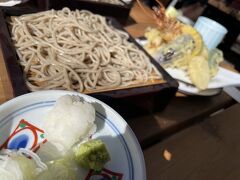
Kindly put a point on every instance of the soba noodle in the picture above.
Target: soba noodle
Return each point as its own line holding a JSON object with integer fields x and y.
{"x": 77, "y": 50}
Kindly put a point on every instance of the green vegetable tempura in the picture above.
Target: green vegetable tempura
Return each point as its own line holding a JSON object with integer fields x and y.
{"x": 92, "y": 155}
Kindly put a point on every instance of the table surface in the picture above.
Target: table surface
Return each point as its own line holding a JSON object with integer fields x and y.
{"x": 199, "y": 133}
{"x": 182, "y": 110}
{"x": 221, "y": 5}
{"x": 170, "y": 125}
{"x": 208, "y": 150}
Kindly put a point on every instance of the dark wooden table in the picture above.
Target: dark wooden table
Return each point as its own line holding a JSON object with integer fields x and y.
{"x": 198, "y": 151}
{"x": 199, "y": 142}
{"x": 208, "y": 150}
{"x": 182, "y": 111}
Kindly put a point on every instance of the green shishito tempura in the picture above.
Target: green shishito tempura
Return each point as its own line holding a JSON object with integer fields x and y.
{"x": 92, "y": 155}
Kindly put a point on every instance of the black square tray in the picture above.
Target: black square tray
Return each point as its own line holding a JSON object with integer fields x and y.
{"x": 120, "y": 12}
{"x": 128, "y": 102}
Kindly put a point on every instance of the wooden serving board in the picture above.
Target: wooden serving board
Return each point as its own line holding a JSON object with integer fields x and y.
{"x": 16, "y": 73}
{"x": 6, "y": 91}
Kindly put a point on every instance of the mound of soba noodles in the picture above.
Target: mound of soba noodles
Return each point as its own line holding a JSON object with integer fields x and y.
{"x": 77, "y": 50}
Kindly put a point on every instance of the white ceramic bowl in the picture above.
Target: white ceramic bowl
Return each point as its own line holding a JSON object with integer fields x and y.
{"x": 21, "y": 126}
{"x": 211, "y": 31}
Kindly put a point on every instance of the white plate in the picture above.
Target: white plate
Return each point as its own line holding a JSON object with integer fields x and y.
{"x": 10, "y": 3}
{"x": 224, "y": 78}
{"x": 127, "y": 160}
{"x": 191, "y": 90}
